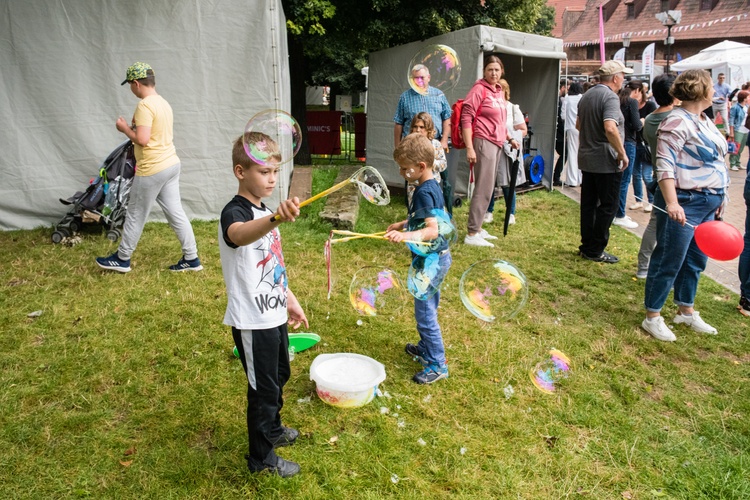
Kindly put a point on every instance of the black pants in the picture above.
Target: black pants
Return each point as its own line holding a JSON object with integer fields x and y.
{"x": 559, "y": 149}
{"x": 600, "y": 197}
{"x": 265, "y": 358}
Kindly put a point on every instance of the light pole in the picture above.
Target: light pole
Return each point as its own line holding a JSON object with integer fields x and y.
{"x": 625, "y": 45}
{"x": 669, "y": 19}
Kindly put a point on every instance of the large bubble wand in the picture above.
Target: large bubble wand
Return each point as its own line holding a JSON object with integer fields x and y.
{"x": 369, "y": 182}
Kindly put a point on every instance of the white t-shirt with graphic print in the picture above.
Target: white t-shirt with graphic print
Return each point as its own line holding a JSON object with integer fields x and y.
{"x": 254, "y": 274}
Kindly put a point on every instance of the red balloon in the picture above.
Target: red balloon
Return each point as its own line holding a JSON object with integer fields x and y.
{"x": 719, "y": 240}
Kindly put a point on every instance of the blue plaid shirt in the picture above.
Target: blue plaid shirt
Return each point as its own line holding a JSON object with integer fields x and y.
{"x": 411, "y": 102}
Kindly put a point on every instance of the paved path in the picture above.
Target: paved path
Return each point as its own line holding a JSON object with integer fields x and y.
{"x": 725, "y": 272}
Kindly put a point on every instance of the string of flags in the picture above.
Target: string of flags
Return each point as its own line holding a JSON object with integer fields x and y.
{"x": 660, "y": 31}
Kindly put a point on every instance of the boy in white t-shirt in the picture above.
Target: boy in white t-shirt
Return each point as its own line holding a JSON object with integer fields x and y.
{"x": 259, "y": 304}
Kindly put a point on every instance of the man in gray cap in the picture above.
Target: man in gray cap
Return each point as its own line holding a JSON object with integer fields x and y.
{"x": 601, "y": 158}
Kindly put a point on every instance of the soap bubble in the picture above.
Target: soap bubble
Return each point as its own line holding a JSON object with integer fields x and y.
{"x": 443, "y": 65}
{"x": 546, "y": 374}
{"x": 375, "y": 290}
{"x": 447, "y": 234}
{"x": 426, "y": 275}
{"x": 281, "y": 128}
{"x": 492, "y": 289}
{"x": 372, "y": 186}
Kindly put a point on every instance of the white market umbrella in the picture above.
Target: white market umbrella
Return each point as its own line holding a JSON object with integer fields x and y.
{"x": 726, "y": 52}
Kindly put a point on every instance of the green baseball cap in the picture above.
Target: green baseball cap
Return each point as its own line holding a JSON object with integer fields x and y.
{"x": 136, "y": 72}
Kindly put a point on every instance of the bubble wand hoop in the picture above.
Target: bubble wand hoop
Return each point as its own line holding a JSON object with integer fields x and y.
{"x": 369, "y": 182}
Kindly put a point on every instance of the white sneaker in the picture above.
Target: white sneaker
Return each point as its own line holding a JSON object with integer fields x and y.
{"x": 641, "y": 275}
{"x": 658, "y": 329}
{"x": 485, "y": 235}
{"x": 512, "y": 219}
{"x": 696, "y": 323}
{"x": 648, "y": 207}
{"x": 477, "y": 241}
{"x": 636, "y": 205}
{"x": 625, "y": 222}
{"x": 488, "y": 218}
{"x": 735, "y": 169}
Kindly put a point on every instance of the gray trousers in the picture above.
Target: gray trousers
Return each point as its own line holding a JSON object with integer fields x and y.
{"x": 488, "y": 155}
{"x": 721, "y": 109}
{"x": 164, "y": 189}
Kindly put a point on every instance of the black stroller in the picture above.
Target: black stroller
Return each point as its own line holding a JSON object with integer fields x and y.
{"x": 105, "y": 200}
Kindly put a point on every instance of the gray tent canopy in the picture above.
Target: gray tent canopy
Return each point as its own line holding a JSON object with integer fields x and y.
{"x": 62, "y": 67}
{"x": 532, "y": 68}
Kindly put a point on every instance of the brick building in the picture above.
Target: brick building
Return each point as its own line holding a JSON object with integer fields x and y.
{"x": 703, "y": 23}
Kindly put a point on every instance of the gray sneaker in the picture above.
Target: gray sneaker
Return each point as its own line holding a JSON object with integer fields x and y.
{"x": 658, "y": 329}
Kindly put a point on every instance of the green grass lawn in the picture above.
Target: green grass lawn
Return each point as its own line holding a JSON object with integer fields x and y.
{"x": 126, "y": 386}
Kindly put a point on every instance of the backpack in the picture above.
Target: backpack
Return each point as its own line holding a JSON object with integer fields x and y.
{"x": 457, "y": 139}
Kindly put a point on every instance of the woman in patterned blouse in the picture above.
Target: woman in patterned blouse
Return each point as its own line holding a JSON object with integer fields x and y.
{"x": 692, "y": 180}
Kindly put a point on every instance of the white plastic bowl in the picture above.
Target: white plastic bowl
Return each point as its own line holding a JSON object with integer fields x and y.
{"x": 346, "y": 380}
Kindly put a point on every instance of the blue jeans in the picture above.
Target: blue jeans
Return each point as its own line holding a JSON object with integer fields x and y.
{"x": 630, "y": 151}
{"x": 425, "y": 312}
{"x": 744, "y": 270}
{"x": 642, "y": 172}
{"x": 506, "y": 193}
{"x": 677, "y": 261}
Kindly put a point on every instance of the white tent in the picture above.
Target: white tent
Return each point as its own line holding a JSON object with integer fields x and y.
{"x": 62, "y": 64}
{"x": 532, "y": 67}
{"x": 728, "y": 57}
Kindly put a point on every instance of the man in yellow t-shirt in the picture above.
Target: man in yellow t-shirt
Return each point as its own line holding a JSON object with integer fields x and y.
{"x": 157, "y": 175}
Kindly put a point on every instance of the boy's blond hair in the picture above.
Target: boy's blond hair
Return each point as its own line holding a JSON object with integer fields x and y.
{"x": 240, "y": 156}
{"x": 415, "y": 148}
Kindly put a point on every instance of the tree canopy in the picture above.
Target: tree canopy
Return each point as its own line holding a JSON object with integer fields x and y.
{"x": 337, "y": 35}
{"x": 329, "y": 40}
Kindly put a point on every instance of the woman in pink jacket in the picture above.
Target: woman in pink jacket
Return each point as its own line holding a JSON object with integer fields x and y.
{"x": 483, "y": 118}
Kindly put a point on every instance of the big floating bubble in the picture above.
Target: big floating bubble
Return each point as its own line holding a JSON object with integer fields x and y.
{"x": 422, "y": 220}
{"x": 546, "y": 374}
{"x": 272, "y": 137}
{"x": 426, "y": 275}
{"x": 443, "y": 65}
{"x": 376, "y": 290}
{"x": 492, "y": 289}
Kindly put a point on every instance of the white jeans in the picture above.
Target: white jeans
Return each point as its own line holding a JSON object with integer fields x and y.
{"x": 572, "y": 173}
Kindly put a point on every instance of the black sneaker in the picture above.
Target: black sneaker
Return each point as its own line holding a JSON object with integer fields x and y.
{"x": 415, "y": 353}
{"x": 744, "y": 307}
{"x": 287, "y": 437}
{"x": 187, "y": 265}
{"x": 605, "y": 257}
{"x": 283, "y": 468}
